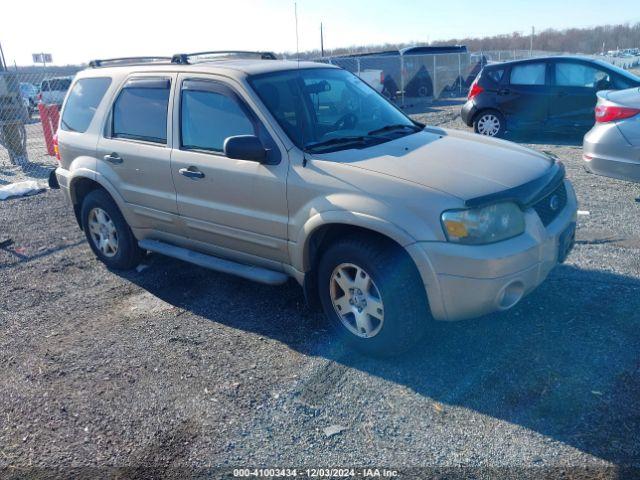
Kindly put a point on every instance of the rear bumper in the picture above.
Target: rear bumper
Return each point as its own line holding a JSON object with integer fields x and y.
{"x": 469, "y": 281}
{"x": 607, "y": 152}
{"x": 467, "y": 112}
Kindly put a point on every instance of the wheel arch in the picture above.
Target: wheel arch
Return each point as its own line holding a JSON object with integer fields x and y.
{"x": 81, "y": 185}
{"x": 324, "y": 229}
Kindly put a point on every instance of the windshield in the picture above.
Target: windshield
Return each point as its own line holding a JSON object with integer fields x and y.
{"x": 326, "y": 109}
{"x": 619, "y": 71}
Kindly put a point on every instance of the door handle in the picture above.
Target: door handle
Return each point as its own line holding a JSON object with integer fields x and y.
{"x": 504, "y": 91}
{"x": 113, "y": 158}
{"x": 562, "y": 94}
{"x": 191, "y": 172}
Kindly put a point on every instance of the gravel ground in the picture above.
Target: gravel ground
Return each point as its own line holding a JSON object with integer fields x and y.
{"x": 175, "y": 368}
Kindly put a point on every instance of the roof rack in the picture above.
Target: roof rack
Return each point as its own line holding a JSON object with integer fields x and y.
{"x": 184, "y": 58}
{"x": 127, "y": 61}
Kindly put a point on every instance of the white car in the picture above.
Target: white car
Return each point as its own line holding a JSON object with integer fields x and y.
{"x": 53, "y": 90}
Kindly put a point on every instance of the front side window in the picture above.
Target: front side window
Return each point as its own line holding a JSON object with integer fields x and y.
{"x": 325, "y": 109}
{"x": 208, "y": 118}
{"x": 82, "y": 103}
{"x": 528, "y": 74}
{"x": 579, "y": 75}
{"x": 140, "y": 111}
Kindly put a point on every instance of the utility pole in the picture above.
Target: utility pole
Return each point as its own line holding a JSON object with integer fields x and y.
{"x": 533, "y": 32}
{"x": 321, "y": 41}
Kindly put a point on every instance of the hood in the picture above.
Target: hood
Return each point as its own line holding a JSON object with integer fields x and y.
{"x": 462, "y": 164}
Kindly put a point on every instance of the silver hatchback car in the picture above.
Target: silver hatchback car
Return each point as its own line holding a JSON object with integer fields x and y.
{"x": 612, "y": 146}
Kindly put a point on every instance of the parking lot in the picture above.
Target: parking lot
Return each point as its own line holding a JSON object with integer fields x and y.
{"x": 176, "y": 367}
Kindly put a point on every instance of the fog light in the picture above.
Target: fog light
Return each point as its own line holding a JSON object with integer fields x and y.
{"x": 510, "y": 295}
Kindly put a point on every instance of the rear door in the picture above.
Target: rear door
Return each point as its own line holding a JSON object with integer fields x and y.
{"x": 232, "y": 208}
{"x": 524, "y": 95}
{"x": 574, "y": 86}
{"x": 134, "y": 154}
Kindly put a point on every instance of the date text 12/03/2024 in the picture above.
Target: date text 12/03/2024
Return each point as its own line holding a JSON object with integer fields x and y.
{"x": 316, "y": 472}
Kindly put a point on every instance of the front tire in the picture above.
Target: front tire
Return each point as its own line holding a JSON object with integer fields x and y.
{"x": 490, "y": 123}
{"x": 373, "y": 296}
{"x": 108, "y": 233}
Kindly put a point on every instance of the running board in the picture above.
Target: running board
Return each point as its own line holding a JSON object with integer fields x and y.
{"x": 257, "y": 274}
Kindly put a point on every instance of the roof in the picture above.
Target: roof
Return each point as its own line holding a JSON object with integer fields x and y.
{"x": 410, "y": 51}
{"x": 551, "y": 57}
{"x": 240, "y": 67}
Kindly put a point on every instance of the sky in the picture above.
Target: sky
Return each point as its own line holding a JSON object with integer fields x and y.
{"x": 78, "y": 31}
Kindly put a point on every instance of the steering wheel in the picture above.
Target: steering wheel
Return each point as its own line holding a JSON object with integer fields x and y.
{"x": 347, "y": 121}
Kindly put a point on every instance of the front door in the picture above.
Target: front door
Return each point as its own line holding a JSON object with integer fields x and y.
{"x": 524, "y": 97}
{"x": 575, "y": 85}
{"x": 234, "y": 208}
{"x": 134, "y": 154}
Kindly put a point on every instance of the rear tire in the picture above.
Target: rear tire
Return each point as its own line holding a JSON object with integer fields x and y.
{"x": 490, "y": 123}
{"x": 385, "y": 318}
{"x": 108, "y": 233}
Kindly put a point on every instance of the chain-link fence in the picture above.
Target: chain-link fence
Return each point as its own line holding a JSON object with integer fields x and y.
{"x": 412, "y": 79}
{"x": 26, "y": 96}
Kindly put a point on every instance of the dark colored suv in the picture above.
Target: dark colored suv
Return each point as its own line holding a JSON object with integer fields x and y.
{"x": 549, "y": 93}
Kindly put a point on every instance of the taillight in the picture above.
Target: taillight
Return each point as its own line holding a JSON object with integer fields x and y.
{"x": 381, "y": 77}
{"x": 475, "y": 90}
{"x": 611, "y": 113}
{"x": 56, "y": 149}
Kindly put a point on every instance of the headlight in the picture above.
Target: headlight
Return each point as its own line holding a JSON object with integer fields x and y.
{"x": 483, "y": 225}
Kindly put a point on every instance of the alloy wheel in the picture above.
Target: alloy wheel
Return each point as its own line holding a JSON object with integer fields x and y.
{"x": 103, "y": 232}
{"x": 356, "y": 300}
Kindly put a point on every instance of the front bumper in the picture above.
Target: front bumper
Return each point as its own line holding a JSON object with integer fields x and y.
{"x": 466, "y": 281}
{"x": 608, "y": 153}
{"x": 467, "y": 112}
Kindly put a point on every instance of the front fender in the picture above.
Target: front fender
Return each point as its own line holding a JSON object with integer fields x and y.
{"x": 299, "y": 249}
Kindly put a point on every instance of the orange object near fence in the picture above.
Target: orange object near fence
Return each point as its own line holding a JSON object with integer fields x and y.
{"x": 49, "y": 117}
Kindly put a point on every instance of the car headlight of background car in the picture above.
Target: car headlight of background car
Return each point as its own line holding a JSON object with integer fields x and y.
{"x": 483, "y": 225}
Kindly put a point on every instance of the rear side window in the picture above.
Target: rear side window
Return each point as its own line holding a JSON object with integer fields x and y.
{"x": 83, "y": 101}
{"x": 208, "y": 118}
{"x": 140, "y": 111}
{"x": 528, "y": 74}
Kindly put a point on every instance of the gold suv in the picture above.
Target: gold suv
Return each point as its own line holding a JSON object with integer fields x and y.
{"x": 270, "y": 169}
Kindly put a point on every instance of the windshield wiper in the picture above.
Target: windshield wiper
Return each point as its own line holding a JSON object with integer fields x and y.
{"x": 342, "y": 141}
{"x": 396, "y": 126}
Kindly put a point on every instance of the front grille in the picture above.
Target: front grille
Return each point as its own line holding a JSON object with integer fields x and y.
{"x": 550, "y": 206}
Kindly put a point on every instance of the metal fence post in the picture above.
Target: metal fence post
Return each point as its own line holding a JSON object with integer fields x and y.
{"x": 435, "y": 78}
{"x": 459, "y": 75}
{"x": 402, "y": 77}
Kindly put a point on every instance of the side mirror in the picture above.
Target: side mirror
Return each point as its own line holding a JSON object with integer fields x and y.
{"x": 245, "y": 147}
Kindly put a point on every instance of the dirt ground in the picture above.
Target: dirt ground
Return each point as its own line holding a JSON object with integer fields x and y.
{"x": 178, "y": 369}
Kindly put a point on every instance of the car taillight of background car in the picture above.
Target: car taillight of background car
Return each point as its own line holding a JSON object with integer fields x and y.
{"x": 475, "y": 90}
{"x": 610, "y": 113}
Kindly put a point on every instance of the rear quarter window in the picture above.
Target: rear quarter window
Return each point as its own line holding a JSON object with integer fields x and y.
{"x": 83, "y": 101}
{"x": 494, "y": 75}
